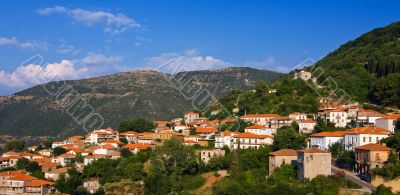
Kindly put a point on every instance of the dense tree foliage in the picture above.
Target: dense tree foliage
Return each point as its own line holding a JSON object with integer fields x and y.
{"x": 386, "y": 91}
{"x": 57, "y": 151}
{"x": 138, "y": 125}
{"x": 14, "y": 145}
{"x": 288, "y": 137}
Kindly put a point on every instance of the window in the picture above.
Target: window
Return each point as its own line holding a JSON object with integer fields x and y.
{"x": 370, "y": 139}
{"x": 377, "y": 139}
{"x": 363, "y": 139}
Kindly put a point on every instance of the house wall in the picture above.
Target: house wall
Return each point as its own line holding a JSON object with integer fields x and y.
{"x": 277, "y": 161}
{"x": 309, "y": 165}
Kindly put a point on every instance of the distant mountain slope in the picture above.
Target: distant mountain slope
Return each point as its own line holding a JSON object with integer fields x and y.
{"x": 356, "y": 65}
{"x": 367, "y": 69}
{"x": 118, "y": 97}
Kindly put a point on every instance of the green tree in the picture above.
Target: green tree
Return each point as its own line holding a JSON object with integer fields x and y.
{"x": 138, "y": 125}
{"x": 14, "y": 146}
{"x": 70, "y": 184}
{"x": 289, "y": 138}
{"x": 383, "y": 190}
{"x": 336, "y": 149}
{"x": 57, "y": 151}
{"x": 123, "y": 140}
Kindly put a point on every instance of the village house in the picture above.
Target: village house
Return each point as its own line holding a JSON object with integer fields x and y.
{"x": 283, "y": 156}
{"x": 4, "y": 176}
{"x": 131, "y": 136}
{"x": 307, "y": 126}
{"x": 191, "y": 116}
{"x": 297, "y": 116}
{"x": 370, "y": 156}
{"x": 364, "y": 135}
{"x": 65, "y": 159}
{"x": 366, "y": 117}
{"x": 99, "y": 136}
{"x": 39, "y": 187}
{"x": 207, "y": 154}
{"x": 324, "y": 140}
{"x": 56, "y": 173}
{"x": 224, "y": 138}
{"x": 339, "y": 117}
{"x": 45, "y": 152}
{"x": 388, "y": 122}
{"x": 259, "y": 119}
{"x": 105, "y": 149}
{"x": 303, "y": 75}
{"x": 136, "y": 147}
{"x": 352, "y": 111}
{"x": 206, "y": 132}
{"x": 9, "y": 161}
{"x": 312, "y": 162}
{"x": 250, "y": 140}
{"x": 92, "y": 185}
{"x": 260, "y": 130}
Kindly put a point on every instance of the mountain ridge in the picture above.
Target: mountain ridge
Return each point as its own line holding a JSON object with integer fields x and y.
{"x": 117, "y": 97}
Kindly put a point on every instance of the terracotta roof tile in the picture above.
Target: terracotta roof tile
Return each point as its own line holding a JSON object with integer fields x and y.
{"x": 368, "y": 130}
{"x": 329, "y": 134}
{"x": 251, "y": 135}
{"x": 137, "y": 145}
{"x": 23, "y": 177}
{"x": 38, "y": 183}
{"x": 284, "y": 152}
{"x": 373, "y": 147}
{"x": 261, "y": 116}
{"x": 307, "y": 121}
{"x": 206, "y": 130}
{"x": 255, "y": 127}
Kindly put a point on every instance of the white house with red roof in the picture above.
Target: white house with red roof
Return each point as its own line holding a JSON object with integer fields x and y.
{"x": 339, "y": 117}
{"x": 101, "y": 135}
{"x": 260, "y": 119}
{"x": 323, "y": 140}
{"x": 260, "y": 130}
{"x": 307, "y": 126}
{"x": 224, "y": 138}
{"x": 105, "y": 149}
{"x": 360, "y": 136}
{"x": 191, "y": 117}
{"x": 206, "y": 132}
{"x": 388, "y": 122}
{"x": 250, "y": 140}
{"x": 136, "y": 147}
{"x": 131, "y": 136}
{"x": 366, "y": 117}
{"x": 297, "y": 116}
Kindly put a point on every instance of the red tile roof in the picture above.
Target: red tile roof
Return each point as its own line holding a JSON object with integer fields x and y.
{"x": 329, "y": 134}
{"x": 251, "y": 135}
{"x": 391, "y": 116}
{"x": 373, "y": 147}
{"x": 206, "y": 130}
{"x": 11, "y": 173}
{"x": 261, "y": 116}
{"x": 23, "y": 177}
{"x": 255, "y": 127}
{"x": 137, "y": 145}
{"x": 307, "y": 121}
{"x": 313, "y": 150}
{"x": 368, "y": 130}
{"x": 38, "y": 183}
{"x": 284, "y": 152}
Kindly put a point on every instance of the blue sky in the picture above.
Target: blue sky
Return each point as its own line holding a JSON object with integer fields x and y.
{"x": 80, "y": 39}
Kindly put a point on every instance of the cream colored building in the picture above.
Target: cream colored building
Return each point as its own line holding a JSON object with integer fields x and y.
{"x": 312, "y": 162}
{"x": 277, "y": 158}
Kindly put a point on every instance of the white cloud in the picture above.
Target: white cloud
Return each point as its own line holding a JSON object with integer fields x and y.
{"x": 188, "y": 60}
{"x": 8, "y": 41}
{"x": 29, "y": 44}
{"x": 34, "y": 45}
{"x": 67, "y": 49}
{"x": 94, "y": 58}
{"x": 269, "y": 63}
{"x": 33, "y": 74}
{"x": 113, "y": 23}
